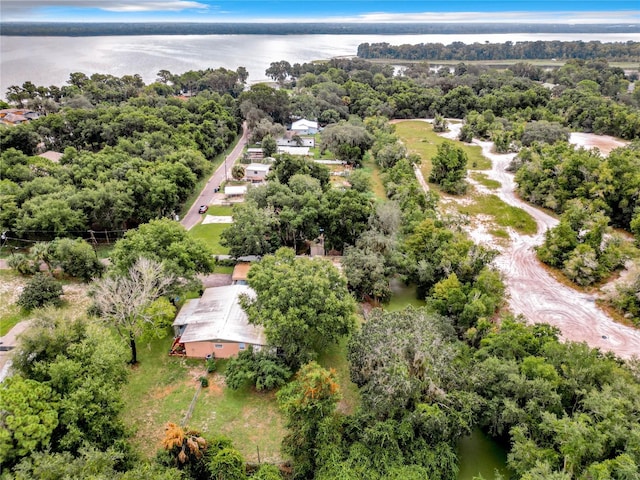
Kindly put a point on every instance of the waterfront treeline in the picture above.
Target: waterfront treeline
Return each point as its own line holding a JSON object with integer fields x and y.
{"x": 553, "y": 49}
{"x": 292, "y": 28}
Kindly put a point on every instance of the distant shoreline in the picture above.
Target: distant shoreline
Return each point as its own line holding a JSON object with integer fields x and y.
{"x": 40, "y": 29}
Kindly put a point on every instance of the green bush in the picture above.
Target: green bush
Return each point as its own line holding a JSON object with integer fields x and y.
{"x": 204, "y": 382}
{"x": 263, "y": 370}
{"x": 210, "y": 364}
{"x": 267, "y": 472}
{"x": 40, "y": 290}
{"x": 22, "y": 264}
{"x": 228, "y": 464}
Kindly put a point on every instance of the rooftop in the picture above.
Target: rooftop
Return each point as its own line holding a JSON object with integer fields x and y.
{"x": 240, "y": 271}
{"x": 260, "y": 167}
{"x": 217, "y": 315}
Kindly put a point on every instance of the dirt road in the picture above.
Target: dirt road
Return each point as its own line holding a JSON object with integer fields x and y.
{"x": 222, "y": 173}
{"x": 534, "y": 293}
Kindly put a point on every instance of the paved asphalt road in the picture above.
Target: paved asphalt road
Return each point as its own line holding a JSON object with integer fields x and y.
{"x": 193, "y": 217}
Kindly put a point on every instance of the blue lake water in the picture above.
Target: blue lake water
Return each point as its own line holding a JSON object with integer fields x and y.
{"x": 49, "y": 60}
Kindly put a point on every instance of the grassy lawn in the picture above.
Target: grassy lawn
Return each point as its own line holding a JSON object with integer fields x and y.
{"x": 160, "y": 390}
{"x": 505, "y": 215}
{"x": 210, "y": 233}
{"x": 482, "y": 179}
{"x": 250, "y": 418}
{"x": 220, "y": 210}
{"x": 370, "y": 166}
{"x": 420, "y": 138}
{"x": 222, "y": 269}
{"x": 336, "y": 357}
{"x": 11, "y": 316}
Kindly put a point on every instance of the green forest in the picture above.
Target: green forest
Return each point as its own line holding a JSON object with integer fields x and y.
{"x": 409, "y": 383}
{"x": 538, "y": 50}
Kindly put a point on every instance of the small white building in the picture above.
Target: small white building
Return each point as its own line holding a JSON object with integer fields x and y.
{"x": 302, "y": 151}
{"x": 216, "y": 325}
{"x": 304, "y": 127}
{"x": 235, "y": 190}
{"x": 256, "y": 172}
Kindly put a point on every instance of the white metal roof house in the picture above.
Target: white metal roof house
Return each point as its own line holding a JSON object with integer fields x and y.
{"x": 216, "y": 325}
{"x": 304, "y": 127}
{"x": 289, "y": 141}
{"x": 256, "y": 172}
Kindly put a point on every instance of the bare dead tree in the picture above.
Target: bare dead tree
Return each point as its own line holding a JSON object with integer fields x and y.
{"x": 124, "y": 300}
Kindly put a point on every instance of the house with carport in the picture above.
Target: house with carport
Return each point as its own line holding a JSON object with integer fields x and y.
{"x": 215, "y": 325}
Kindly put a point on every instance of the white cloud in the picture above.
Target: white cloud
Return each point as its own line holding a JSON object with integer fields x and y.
{"x": 144, "y": 6}
{"x": 623, "y": 17}
{"x": 12, "y": 9}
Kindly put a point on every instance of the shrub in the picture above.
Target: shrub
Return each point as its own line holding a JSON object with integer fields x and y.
{"x": 267, "y": 472}
{"x": 228, "y": 464}
{"x": 22, "y": 264}
{"x": 41, "y": 290}
{"x": 204, "y": 382}
{"x": 210, "y": 365}
{"x": 262, "y": 370}
{"x": 77, "y": 258}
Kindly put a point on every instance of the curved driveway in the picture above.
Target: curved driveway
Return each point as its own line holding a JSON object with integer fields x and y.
{"x": 222, "y": 173}
{"x": 533, "y": 292}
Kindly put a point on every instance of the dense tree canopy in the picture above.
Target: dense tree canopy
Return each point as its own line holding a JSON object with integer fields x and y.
{"x": 163, "y": 241}
{"x": 83, "y": 366}
{"x": 302, "y": 303}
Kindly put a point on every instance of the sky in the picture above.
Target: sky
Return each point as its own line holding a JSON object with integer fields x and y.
{"x": 474, "y": 11}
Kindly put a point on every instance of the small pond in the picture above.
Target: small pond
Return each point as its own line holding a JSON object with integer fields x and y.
{"x": 479, "y": 455}
{"x": 402, "y": 296}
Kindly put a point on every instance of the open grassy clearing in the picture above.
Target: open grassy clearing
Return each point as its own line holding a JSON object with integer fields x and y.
{"x": 483, "y": 179}
{"x": 504, "y": 215}
{"x": 420, "y": 138}
{"x": 161, "y": 388}
{"x": 250, "y": 418}
{"x": 11, "y": 285}
{"x": 370, "y": 167}
{"x": 336, "y": 357}
{"x": 210, "y": 233}
{"x": 220, "y": 210}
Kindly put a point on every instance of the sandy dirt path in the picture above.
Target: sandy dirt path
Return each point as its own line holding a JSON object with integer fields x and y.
{"x": 534, "y": 293}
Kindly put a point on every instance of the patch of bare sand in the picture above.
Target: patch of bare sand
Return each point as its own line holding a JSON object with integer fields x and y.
{"x": 604, "y": 143}
{"x": 10, "y": 289}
